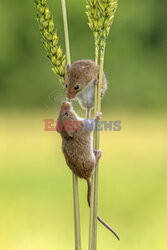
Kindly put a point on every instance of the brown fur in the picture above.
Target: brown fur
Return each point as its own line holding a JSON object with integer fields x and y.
{"x": 76, "y": 146}
{"x": 82, "y": 73}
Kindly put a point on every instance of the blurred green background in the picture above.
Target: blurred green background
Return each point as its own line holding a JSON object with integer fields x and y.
{"x": 36, "y": 205}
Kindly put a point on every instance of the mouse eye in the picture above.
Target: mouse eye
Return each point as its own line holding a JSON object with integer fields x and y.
{"x": 76, "y": 87}
{"x": 66, "y": 86}
{"x": 66, "y": 114}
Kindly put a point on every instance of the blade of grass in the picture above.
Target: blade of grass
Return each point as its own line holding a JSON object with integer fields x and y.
{"x": 75, "y": 179}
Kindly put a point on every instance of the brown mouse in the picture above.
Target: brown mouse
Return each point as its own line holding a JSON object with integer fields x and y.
{"x": 77, "y": 146}
{"x": 80, "y": 79}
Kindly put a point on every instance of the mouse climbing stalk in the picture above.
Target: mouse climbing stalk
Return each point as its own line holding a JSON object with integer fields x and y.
{"x": 77, "y": 146}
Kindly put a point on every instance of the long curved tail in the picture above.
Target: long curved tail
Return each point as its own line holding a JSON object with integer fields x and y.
{"x": 99, "y": 219}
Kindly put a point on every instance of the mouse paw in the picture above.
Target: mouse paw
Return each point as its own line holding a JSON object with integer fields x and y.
{"x": 96, "y": 82}
{"x": 98, "y": 116}
{"x": 98, "y": 154}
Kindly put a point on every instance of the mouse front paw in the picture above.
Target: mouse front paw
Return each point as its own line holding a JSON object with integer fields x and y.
{"x": 96, "y": 82}
{"x": 98, "y": 116}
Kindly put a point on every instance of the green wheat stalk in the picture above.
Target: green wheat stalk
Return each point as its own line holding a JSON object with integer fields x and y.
{"x": 75, "y": 178}
{"x": 50, "y": 39}
{"x": 100, "y": 19}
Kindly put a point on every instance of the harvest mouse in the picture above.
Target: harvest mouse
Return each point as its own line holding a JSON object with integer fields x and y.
{"x": 77, "y": 146}
{"x": 80, "y": 79}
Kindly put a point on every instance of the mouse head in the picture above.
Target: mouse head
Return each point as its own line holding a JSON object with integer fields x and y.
{"x": 66, "y": 112}
{"x": 78, "y": 76}
{"x": 66, "y": 119}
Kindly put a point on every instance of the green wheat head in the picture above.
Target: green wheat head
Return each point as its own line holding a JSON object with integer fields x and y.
{"x": 101, "y": 15}
{"x": 50, "y": 38}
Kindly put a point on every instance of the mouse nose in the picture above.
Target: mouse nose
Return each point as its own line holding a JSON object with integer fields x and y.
{"x": 68, "y": 95}
{"x": 67, "y": 105}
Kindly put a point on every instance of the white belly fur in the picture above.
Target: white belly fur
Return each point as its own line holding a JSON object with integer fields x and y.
{"x": 86, "y": 96}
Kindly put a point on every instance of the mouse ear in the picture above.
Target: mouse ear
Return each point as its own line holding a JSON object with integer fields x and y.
{"x": 75, "y": 127}
{"x": 85, "y": 69}
{"x": 70, "y": 133}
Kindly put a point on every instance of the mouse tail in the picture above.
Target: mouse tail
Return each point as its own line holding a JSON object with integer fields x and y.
{"x": 99, "y": 219}
{"x": 108, "y": 227}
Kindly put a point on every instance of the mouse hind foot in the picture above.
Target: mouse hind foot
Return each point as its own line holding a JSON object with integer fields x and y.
{"x": 98, "y": 154}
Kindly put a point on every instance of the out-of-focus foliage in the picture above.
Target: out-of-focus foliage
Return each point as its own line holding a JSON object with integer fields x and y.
{"x": 135, "y": 62}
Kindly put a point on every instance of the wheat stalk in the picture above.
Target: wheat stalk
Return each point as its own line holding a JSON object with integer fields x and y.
{"x": 100, "y": 18}
{"x": 75, "y": 178}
